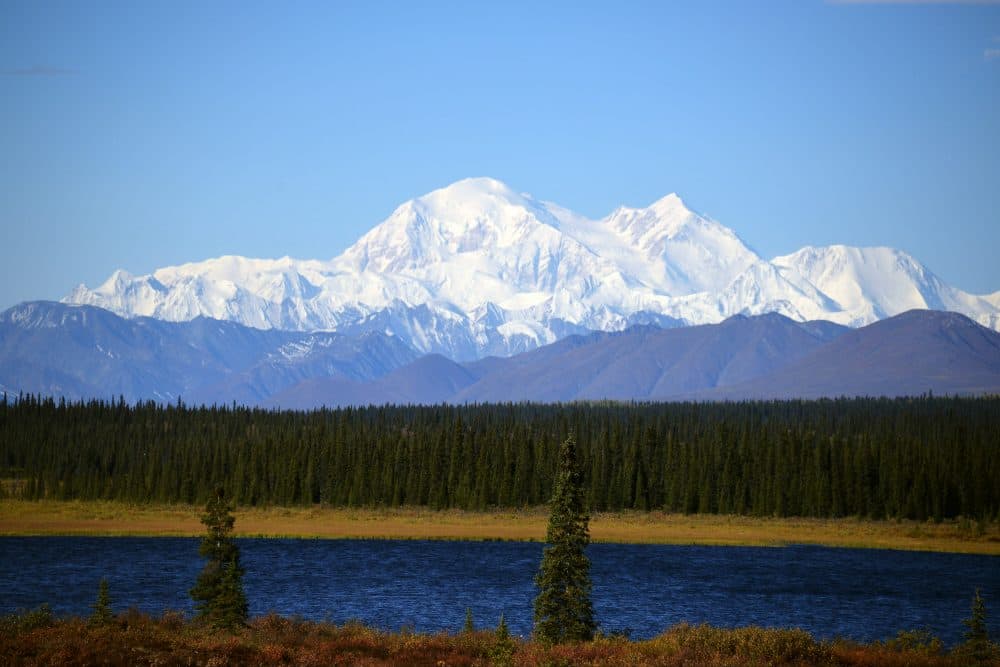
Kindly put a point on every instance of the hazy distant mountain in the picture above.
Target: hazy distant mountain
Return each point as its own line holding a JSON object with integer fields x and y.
{"x": 86, "y": 352}
{"x": 909, "y": 354}
{"x": 641, "y": 363}
{"x": 476, "y": 269}
{"x": 648, "y": 363}
{"x": 430, "y": 380}
{"x": 768, "y": 356}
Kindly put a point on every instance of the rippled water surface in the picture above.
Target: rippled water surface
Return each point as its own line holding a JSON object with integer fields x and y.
{"x": 642, "y": 589}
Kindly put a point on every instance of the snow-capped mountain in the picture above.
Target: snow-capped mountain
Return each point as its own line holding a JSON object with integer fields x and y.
{"x": 476, "y": 269}
{"x": 869, "y": 284}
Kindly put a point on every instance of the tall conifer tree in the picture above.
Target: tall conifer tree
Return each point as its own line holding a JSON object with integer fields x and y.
{"x": 218, "y": 593}
{"x": 563, "y": 609}
{"x": 977, "y": 646}
{"x": 102, "y": 607}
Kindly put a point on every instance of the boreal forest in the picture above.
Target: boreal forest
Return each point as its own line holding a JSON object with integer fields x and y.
{"x": 919, "y": 458}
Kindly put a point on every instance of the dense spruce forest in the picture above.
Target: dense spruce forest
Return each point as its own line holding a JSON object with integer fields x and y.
{"x": 908, "y": 458}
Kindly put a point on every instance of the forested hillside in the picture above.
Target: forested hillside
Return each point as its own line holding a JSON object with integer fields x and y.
{"x": 907, "y": 458}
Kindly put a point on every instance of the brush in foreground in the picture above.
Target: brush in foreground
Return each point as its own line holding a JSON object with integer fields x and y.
{"x": 133, "y": 638}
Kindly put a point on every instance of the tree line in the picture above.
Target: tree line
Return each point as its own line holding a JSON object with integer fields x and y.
{"x": 914, "y": 458}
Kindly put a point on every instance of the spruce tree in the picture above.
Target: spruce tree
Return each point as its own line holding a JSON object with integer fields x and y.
{"x": 563, "y": 610}
{"x": 977, "y": 644}
{"x": 102, "y": 607}
{"x": 218, "y": 593}
{"x": 503, "y": 632}
{"x": 470, "y": 625}
{"x": 502, "y": 652}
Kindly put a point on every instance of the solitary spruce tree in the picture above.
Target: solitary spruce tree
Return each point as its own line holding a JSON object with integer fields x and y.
{"x": 218, "y": 593}
{"x": 102, "y": 607}
{"x": 563, "y": 610}
{"x": 470, "y": 625}
{"x": 501, "y": 654}
{"x": 977, "y": 644}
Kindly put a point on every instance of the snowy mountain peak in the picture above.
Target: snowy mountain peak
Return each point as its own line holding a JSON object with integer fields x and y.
{"x": 472, "y": 188}
{"x": 477, "y": 199}
{"x": 119, "y": 280}
{"x": 482, "y": 202}
{"x": 476, "y": 268}
{"x": 867, "y": 281}
{"x": 470, "y": 216}
{"x": 691, "y": 253}
{"x": 867, "y": 284}
{"x": 668, "y": 213}
{"x": 670, "y": 206}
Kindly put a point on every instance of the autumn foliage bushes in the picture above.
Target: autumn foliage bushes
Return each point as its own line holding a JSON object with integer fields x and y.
{"x": 133, "y": 638}
{"x": 139, "y": 639}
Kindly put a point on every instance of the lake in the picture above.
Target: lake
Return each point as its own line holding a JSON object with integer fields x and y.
{"x": 427, "y": 585}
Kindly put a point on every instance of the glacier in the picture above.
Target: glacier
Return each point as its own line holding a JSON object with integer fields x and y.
{"x": 476, "y": 269}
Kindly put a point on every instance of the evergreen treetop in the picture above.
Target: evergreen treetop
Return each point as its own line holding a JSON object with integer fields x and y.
{"x": 218, "y": 592}
{"x": 102, "y": 606}
{"x": 469, "y": 626}
{"x": 977, "y": 644}
{"x": 504, "y": 646}
{"x": 563, "y": 608}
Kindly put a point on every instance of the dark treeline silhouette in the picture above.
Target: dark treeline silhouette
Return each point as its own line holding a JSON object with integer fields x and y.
{"x": 909, "y": 458}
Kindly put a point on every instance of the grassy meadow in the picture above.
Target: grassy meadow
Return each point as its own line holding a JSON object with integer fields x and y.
{"x": 102, "y": 518}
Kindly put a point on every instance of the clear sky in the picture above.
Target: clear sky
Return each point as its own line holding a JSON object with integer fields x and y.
{"x": 142, "y": 134}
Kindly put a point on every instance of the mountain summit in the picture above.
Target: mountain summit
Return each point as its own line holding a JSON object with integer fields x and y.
{"x": 477, "y": 269}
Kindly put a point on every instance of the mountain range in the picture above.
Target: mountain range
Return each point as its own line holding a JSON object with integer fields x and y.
{"x": 476, "y": 269}
{"x": 477, "y": 293}
{"x": 742, "y": 358}
{"x": 83, "y": 352}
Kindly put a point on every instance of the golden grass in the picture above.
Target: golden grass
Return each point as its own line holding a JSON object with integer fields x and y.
{"x": 108, "y": 518}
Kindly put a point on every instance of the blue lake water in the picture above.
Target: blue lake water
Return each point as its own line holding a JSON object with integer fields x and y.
{"x": 427, "y": 585}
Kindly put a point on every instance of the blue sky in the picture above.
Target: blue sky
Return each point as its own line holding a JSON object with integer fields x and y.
{"x": 141, "y": 134}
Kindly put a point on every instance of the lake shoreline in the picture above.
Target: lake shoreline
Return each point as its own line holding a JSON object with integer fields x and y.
{"x": 112, "y": 519}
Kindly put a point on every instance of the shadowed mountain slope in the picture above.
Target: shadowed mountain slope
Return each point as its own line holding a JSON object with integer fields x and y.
{"x": 913, "y": 353}
{"x": 767, "y": 356}
{"x": 87, "y": 352}
{"x": 83, "y": 352}
{"x": 648, "y": 363}
{"x": 430, "y": 380}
